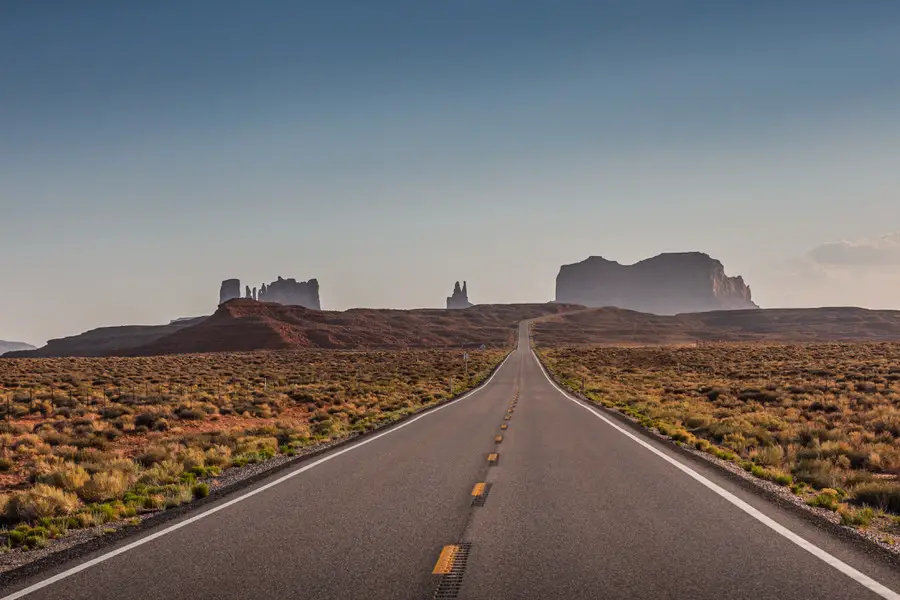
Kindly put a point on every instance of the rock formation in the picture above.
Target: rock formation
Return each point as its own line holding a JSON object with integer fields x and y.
{"x": 281, "y": 291}
{"x": 665, "y": 285}
{"x": 291, "y": 292}
{"x": 231, "y": 289}
{"x": 460, "y": 297}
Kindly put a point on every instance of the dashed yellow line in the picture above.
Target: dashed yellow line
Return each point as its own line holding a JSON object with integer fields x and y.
{"x": 445, "y": 561}
{"x": 478, "y": 490}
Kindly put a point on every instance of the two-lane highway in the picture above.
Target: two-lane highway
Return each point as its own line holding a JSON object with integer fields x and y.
{"x": 577, "y": 507}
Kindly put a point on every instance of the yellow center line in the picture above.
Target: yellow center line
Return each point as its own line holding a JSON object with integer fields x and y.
{"x": 445, "y": 560}
{"x": 478, "y": 489}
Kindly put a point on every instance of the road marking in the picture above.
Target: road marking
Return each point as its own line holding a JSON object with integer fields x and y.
{"x": 214, "y": 509}
{"x": 498, "y": 439}
{"x": 833, "y": 561}
{"x": 478, "y": 489}
{"x": 492, "y": 457}
{"x": 444, "y": 563}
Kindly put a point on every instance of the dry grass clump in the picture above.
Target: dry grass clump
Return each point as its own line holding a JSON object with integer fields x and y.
{"x": 823, "y": 419}
{"x": 40, "y": 501}
{"x": 86, "y": 441}
{"x": 69, "y": 477}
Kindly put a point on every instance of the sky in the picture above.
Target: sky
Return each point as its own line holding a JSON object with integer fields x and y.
{"x": 150, "y": 150}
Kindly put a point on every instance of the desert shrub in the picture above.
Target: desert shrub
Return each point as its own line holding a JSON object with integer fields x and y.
{"x": 817, "y": 473}
{"x": 153, "y": 455}
{"x": 218, "y": 456}
{"x": 190, "y": 414}
{"x": 55, "y": 438}
{"x": 69, "y": 477}
{"x": 192, "y": 458}
{"x": 162, "y": 473}
{"x": 769, "y": 456}
{"x": 200, "y": 490}
{"x": 177, "y": 495}
{"x": 42, "y": 500}
{"x": 104, "y": 486}
{"x": 881, "y": 494}
{"x": 761, "y": 396}
{"x": 114, "y": 411}
{"x": 859, "y": 517}
{"x": 155, "y": 420}
{"x": 826, "y": 499}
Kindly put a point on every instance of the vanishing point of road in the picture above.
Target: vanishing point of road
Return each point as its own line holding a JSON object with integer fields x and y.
{"x": 515, "y": 491}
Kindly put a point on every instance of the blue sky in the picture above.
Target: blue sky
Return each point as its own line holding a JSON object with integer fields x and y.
{"x": 150, "y": 150}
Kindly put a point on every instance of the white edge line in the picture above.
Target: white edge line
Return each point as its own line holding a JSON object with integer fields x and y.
{"x": 819, "y": 553}
{"x": 104, "y": 557}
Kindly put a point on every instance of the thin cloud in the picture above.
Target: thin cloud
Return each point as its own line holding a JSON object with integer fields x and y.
{"x": 880, "y": 251}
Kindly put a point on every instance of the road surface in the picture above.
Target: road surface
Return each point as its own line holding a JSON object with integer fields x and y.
{"x": 576, "y": 508}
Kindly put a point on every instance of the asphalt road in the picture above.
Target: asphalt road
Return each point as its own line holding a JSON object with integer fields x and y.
{"x": 576, "y": 509}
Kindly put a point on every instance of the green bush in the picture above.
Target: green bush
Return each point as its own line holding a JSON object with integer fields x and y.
{"x": 783, "y": 479}
{"x": 861, "y": 517}
{"x": 824, "y": 500}
{"x": 201, "y": 490}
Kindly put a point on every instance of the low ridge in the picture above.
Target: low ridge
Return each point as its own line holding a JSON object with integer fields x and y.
{"x": 615, "y": 326}
{"x": 240, "y": 325}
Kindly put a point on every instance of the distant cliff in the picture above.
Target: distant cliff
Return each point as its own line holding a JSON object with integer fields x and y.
{"x": 106, "y": 340}
{"x": 14, "y": 347}
{"x": 281, "y": 291}
{"x": 665, "y": 285}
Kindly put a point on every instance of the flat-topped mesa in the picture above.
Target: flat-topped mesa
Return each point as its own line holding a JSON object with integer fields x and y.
{"x": 282, "y": 291}
{"x": 667, "y": 284}
{"x": 460, "y": 297}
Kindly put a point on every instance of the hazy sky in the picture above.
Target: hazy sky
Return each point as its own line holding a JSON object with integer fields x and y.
{"x": 389, "y": 148}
